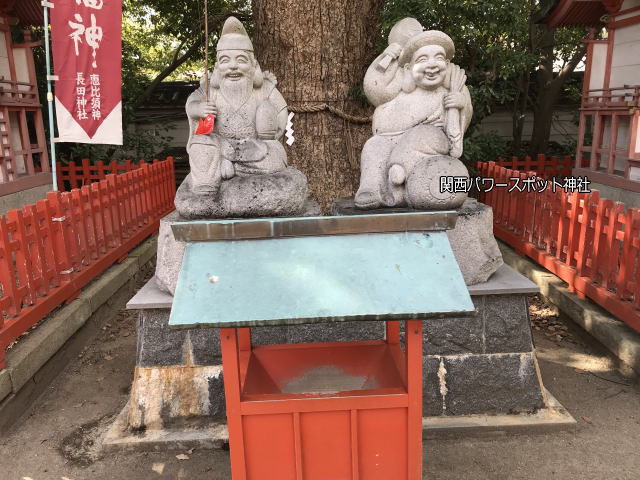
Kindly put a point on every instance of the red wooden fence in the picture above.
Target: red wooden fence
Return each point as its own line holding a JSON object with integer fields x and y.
{"x": 51, "y": 249}
{"x": 591, "y": 243}
{"x": 86, "y": 172}
{"x": 546, "y": 167}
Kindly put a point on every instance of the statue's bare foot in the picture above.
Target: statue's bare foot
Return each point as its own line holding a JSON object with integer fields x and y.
{"x": 227, "y": 170}
{"x": 367, "y": 200}
{"x": 206, "y": 189}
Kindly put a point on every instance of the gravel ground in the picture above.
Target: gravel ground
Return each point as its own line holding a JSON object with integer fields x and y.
{"x": 59, "y": 438}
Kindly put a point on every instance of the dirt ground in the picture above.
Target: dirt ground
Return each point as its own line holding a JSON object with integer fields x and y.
{"x": 58, "y": 438}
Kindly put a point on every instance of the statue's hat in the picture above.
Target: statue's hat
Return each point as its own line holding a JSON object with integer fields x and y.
{"x": 430, "y": 37}
{"x": 234, "y": 36}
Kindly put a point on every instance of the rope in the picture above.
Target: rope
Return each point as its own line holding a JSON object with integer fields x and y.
{"x": 320, "y": 107}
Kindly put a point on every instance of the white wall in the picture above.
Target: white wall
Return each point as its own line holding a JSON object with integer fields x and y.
{"x": 16, "y": 144}
{"x": 22, "y": 67}
{"x": 5, "y": 71}
{"x": 625, "y": 66}
{"x": 179, "y": 130}
{"x": 563, "y": 128}
{"x": 629, "y": 4}
{"x": 598, "y": 66}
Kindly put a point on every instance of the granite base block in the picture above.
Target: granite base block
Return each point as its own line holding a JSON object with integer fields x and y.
{"x": 336, "y": 332}
{"x": 482, "y": 384}
{"x": 160, "y": 346}
{"x": 507, "y": 328}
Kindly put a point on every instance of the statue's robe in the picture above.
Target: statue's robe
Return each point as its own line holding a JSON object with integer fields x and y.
{"x": 407, "y": 127}
{"x": 235, "y": 136}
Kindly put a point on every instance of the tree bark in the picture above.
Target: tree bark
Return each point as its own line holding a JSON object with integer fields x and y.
{"x": 319, "y": 51}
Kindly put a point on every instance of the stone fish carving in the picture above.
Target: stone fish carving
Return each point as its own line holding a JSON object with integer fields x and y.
{"x": 423, "y": 108}
{"x": 240, "y": 169}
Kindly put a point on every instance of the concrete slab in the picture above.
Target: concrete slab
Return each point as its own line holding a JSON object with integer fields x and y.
{"x": 150, "y": 296}
{"x": 146, "y": 251}
{"x": 505, "y": 281}
{"x": 615, "y": 335}
{"x": 553, "y": 417}
{"x": 41, "y": 344}
{"x": 119, "y": 438}
{"x": 5, "y": 384}
{"x": 101, "y": 289}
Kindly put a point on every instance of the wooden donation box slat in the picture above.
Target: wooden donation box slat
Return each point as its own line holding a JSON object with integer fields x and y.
{"x": 319, "y": 411}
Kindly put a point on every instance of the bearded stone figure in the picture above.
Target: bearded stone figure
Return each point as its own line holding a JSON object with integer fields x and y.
{"x": 422, "y": 110}
{"x": 240, "y": 168}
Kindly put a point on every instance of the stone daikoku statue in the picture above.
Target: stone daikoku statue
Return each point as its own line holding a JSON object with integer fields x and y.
{"x": 422, "y": 110}
{"x": 240, "y": 168}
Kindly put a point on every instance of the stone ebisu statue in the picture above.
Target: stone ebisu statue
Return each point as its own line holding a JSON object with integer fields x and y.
{"x": 422, "y": 110}
{"x": 243, "y": 155}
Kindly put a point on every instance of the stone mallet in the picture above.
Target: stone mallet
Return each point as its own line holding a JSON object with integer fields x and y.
{"x": 399, "y": 35}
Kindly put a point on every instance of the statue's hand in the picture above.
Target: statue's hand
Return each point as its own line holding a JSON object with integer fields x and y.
{"x": 393, "y": 50}
{"x": 455, "y": 100}
{"x": 205, "y": 109}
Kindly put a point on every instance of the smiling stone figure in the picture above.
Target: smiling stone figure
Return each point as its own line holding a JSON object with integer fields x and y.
{"x": 423, "y": 110}
{"x": 240, "y": 168}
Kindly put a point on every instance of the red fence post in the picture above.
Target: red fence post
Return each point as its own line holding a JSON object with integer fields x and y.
{"x": 60, "y": 170}
{"x": 7, "y": 271}
{"x": 636, "y": 256}
{"x": 25, "y": 292}
{"x": 624, "y": 260}
{"x": 61, "y": 242}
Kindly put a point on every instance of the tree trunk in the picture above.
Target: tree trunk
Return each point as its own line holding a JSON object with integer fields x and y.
{"x": 543, "y": 118}
{"x": 549, "y": 89}
{"x": 519, "y": 112}
{"x": 319, "y": 51}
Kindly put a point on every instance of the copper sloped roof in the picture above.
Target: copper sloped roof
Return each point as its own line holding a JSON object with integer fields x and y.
{"x": 572, "y": 13}
{"x": 28, "y": 12}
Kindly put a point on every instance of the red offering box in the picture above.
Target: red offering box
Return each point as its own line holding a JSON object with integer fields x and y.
{"x": 347, "y": 410}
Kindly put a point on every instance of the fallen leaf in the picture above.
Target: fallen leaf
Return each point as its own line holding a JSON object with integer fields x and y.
{"x": 126, "y": 334}
{"x": 588, "y": 420}
{"x": 158, "y": 468}
{"x": 581, "y": 372}
{"x": 27, "y": 478}
{"x": 78, "y": 405}
{"x": 65, "y": 478}
{"x": 108, "y": 358}
{"x": 182, "y": 456}
{"x": 190, "y": 451}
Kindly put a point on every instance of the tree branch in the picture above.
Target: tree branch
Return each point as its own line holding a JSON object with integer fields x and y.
{"x": 178, "y": 60}
{"x": 177, "y": 52}
{"x": 569, "y": 67}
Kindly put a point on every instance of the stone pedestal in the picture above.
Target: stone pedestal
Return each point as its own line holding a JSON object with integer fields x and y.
{"x": 480, "y": 365}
